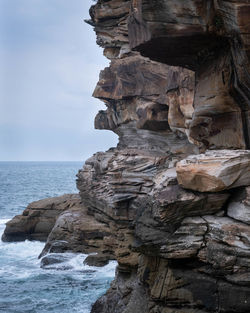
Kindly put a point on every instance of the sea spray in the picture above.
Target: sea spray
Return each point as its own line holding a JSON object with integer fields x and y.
{"x": 25, "y": 287}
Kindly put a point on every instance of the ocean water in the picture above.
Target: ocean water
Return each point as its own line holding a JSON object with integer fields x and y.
{"x": 67, "y": 287}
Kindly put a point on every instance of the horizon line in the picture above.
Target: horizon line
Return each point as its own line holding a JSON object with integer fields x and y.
{"x": 42, "y": 161}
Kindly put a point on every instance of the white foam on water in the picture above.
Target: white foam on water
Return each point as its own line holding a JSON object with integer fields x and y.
{"x": 20, "y": 265}
{"x": 70, "y": 286}
{"x": 3, "y": 221}
{"x": 107, "y": 271}
{"x": 75, "y": 262}
{"x": 19, "y": 260}
{"x": 2, "y": 226}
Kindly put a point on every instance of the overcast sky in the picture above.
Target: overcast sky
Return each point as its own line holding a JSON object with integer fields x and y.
{"x": 49, "y": 66}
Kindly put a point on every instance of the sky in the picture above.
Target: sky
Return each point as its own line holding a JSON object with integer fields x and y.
{"x": 49, "y": 66}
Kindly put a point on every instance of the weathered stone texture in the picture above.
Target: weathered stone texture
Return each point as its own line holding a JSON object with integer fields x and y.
{"x": 38, "y": 219}
{"x": 215, "y": 170}
{"x": 171, "y": 202}
{"x": 149, "y": 95}
{"x": 212, "y": 38}
{"x": 193, "y": 243}
{"x": 77, "y": 231}
{"x": 239, "y": 207}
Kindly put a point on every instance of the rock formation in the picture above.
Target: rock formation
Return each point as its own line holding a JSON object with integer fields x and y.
{"x": 215, "y": 170}
{"x": 38, "y": 219}
{"x": 177, "y": 94}
{"x": 77, "y": 231}
{"x": 64, "y": 223}
{"x": 211, "y": 38}
{"x": 171, "y": 202}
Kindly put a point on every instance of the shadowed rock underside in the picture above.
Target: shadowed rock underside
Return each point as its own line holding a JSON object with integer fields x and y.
{"x": 175, "y": 188}
{"x": 171, "y": 203}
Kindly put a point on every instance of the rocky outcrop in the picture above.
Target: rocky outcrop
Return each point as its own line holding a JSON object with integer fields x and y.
{"x": 38, "y": 219}
{"x": 130, "y": 189}
{"x": 187, "y": 235}
{"x": 215, "y": 170}
{"x": 211, "y": 38}
{"x": 66, "y": 226}
{"x": 171, "y": 202}
{"x": 77, "y": 231}
{"x": 157, "y": 98}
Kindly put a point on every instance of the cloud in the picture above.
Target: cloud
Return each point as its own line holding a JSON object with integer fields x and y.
{"x": 50, "y": 65}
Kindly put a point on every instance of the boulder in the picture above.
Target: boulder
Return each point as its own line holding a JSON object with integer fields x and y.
{"x": 49, "y": 260}
{"x": 98, "y": 260}
{"x": 215, "y": 170}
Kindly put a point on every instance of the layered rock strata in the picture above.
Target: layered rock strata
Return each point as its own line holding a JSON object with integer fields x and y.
{"x": 215, "y": 170}
{"x": 66, "y": 225}
{"x": 38, "y": 219}
{"x": 171, "y": 202}
{"x": 177, "y": 85}
{"x": 211, "y": 38}
{"x": 77, "y": 231}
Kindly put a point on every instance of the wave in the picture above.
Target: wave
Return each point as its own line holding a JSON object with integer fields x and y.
{"x": 69, "y": 286}
{"x": 3, "y": 221}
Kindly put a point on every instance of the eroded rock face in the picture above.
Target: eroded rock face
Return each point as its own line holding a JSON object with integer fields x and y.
{"x": 136, "y": 189}
{"x": 77, "y": 231}
{"x": 158, "y": 97}
{"x": 109, "y": 19}
{"x": 212, "y": 38}
{"x": 189, "y": 246}
{"x": 176, "y": 220}
{"x": 38, "y": 219}
{"x": 215, "y": 170}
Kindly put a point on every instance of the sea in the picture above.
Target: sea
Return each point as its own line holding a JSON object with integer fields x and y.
{"x": 67, "y": 287}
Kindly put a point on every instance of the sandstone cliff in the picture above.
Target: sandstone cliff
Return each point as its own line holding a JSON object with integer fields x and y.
{"x": 175, "y": 189}
{"x": 172, "y": 200}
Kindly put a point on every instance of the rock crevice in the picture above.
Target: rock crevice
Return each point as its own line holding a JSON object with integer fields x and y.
{"x": 171, "y": 202}
{"x": 177, "y": 97}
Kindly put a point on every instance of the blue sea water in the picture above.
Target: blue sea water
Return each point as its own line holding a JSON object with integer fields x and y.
{"x": 24, "y": 286}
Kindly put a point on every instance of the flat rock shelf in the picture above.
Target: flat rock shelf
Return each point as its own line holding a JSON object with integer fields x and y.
{"x": 170, "y": 203}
